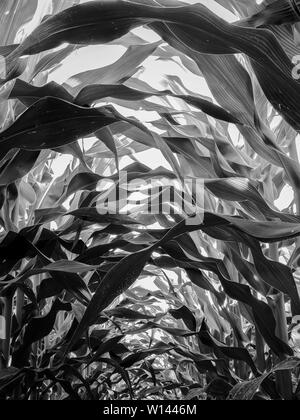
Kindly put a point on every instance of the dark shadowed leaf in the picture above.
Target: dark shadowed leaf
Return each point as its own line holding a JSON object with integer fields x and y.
{"x": 247, "y": 390}
{"x": 51, "y": 123}
{"x": 186, "y": 316}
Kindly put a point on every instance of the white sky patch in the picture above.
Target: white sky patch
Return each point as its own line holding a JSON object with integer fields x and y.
{"x": 60, "y": 164}
{"x": 285, "y": 199}
{"x": 152, "y": 158}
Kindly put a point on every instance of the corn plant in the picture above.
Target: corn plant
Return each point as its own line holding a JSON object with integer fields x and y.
{"x": 101, "y": 299}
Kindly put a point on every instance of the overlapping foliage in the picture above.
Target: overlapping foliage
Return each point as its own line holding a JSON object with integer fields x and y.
{"x": 97, "y": 306}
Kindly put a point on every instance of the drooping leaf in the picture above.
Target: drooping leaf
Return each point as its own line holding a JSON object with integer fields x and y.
{"x": 94, "y": 93}
{"x": 40, "y": 327}
{"x": 118, "y": 72}
{"x": 16, "y": 168}
{"x": 186, "y": 315}
{"x": 29, "y": 94}
{"x": 230, "y": 352}
{"x": 92, "y": 215}
{"x": 51, "y": 123}
{"x": 247, "y": 390}
{"x": 69, "y": 267}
